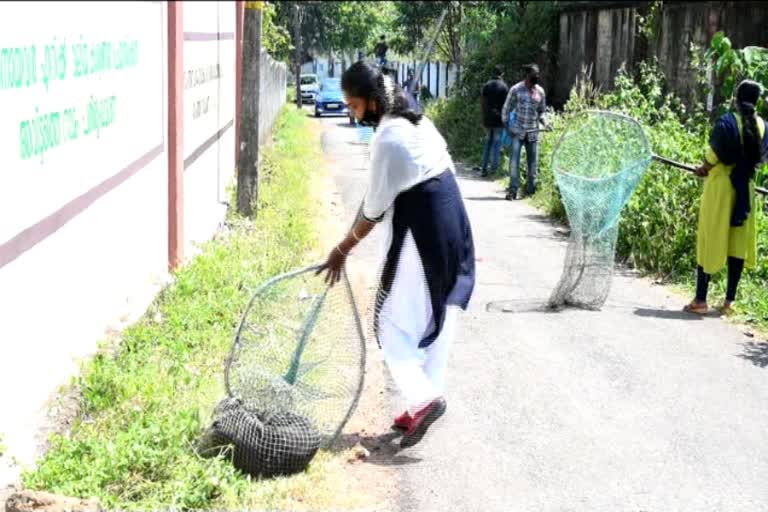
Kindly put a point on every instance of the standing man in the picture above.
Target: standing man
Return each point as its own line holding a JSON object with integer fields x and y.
{"x": 492, "y": 98}
{"x": 411, "y": 91}
{"x": 408, "y": 81}
{"x": 527, "y": 100}
{"x": 380, "y": 51}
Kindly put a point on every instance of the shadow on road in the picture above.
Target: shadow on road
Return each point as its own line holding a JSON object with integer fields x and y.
{"x": 541, "y": 218}
{"x": 756, "y": 352}
{"x": 520, "y": 306}
{"x": 486, "y": 198}
{"x": 555, "y": 235}
{"x": 667, "y": 314}
{"x": 470, "y": 175}
{"x": 384, "y": 449}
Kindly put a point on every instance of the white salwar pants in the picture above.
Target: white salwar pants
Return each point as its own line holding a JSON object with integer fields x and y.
{"x": 405, "y": 319}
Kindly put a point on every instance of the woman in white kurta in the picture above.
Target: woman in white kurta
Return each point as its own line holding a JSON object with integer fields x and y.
{"x": 428, "y": 271}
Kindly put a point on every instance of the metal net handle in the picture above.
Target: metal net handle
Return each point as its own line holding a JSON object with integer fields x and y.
{"x": 651, "y": 154}
{"x": 268, "y": 284}
{"x": 287, "y": 275}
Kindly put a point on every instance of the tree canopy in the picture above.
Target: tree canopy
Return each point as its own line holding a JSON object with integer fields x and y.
{"x": 336, "y": 26}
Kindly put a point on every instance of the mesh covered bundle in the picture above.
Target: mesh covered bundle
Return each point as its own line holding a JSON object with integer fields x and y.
{"x": 277, "y": 444}
{"x": 597, "y": 164}
{"x": 293, "y": 377}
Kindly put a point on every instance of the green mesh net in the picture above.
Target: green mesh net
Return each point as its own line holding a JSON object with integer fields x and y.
{"x": 293, "y": 377}
{"x": 597, "y": 164}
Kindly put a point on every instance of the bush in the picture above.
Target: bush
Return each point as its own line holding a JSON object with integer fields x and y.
{"x": 459, "y": 120}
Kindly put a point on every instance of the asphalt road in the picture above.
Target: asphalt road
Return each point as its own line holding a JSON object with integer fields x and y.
{"x": 633, "y": 408}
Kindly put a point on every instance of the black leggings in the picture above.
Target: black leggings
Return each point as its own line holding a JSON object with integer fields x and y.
{"x": 735, "y": 268}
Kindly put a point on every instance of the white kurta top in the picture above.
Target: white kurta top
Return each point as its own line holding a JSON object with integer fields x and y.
{"x": 402, "y": 156}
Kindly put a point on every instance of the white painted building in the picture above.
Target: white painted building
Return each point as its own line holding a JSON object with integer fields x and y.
{"x": 85, "y": 203}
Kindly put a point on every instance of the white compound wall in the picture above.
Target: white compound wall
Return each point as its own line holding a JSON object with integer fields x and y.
{"x": 84, "y": 173}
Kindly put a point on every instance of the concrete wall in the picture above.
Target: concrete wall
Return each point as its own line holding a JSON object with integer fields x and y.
{"x": 83, "y": 196}
{"x": 604, "y": 35}
{"x": 209, "y": 112}
{"x": 85, "y": 201}
{"x": 272, "y": 94}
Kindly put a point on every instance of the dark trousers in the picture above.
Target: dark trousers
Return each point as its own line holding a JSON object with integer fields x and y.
{"x": 735, "y": 268}
{"x": 532, "y": 155}
{"x": 492, "y": 150}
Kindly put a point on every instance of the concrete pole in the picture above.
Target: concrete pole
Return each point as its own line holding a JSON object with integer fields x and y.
{"x": 299, "y": 52}
{"x": 175, "y": 135}
{"x": 248, "y": 162}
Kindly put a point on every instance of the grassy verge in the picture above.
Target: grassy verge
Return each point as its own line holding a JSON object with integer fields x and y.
{"x": 145, "y": 401}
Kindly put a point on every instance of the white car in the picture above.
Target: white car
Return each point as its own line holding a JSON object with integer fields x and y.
{"x": 310, "y": 85}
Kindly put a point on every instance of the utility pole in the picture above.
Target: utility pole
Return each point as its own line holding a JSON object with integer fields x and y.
{"x": 297, "y": 38}
{"x": 248, "y": 162}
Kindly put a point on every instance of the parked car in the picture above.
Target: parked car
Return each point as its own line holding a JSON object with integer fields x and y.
{"x": 330, "y": 99}
{"x": 309, "y": 88}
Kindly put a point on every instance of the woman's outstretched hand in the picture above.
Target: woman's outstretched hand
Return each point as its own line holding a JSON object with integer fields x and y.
{"x": 333, "y": 266}
{"x": 335, "y": 262}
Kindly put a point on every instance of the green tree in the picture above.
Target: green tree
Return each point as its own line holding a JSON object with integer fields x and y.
{"x": 468, "y": 27}
{"x": 276, "y": 38}
{"x": 733, "y": 65}
{"x": 337, "y": 26}
{"x": 520, "y": 34}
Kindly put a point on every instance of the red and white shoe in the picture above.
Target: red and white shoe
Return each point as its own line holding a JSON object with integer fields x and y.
{"x": 402, "y": 422}
{"x": 421, "y": 421}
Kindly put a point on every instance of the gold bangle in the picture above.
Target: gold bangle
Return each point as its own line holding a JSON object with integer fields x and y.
{"x": 340, "y": 252}
{"x": 354, "y": 235}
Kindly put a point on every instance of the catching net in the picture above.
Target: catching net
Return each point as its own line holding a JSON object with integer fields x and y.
{"x": 294, "y": 374}
{"x": 597, "y": 164}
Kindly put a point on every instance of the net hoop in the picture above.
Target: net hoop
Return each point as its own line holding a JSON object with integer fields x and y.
{"x": 236, "y": 344}
{"x": 605, "y": 113}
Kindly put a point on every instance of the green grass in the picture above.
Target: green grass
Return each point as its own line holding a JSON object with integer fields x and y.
{"x": 145, "y": 401}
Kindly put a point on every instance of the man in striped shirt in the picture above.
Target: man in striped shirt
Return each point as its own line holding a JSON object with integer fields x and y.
{"x": 527, "y": 100}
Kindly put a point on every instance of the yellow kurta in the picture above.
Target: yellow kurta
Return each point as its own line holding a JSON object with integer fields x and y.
{"x": 716, "y": 238}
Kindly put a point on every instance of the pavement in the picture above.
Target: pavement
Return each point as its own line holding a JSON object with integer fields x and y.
{"x": 636, "y": 407}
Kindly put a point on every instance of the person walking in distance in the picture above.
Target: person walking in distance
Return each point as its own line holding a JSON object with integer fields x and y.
{"x": 492, "y": 98}
{"x": 380, "y": 51}
{"x": 527, "y": 100}
{"x": 410, "y": 89}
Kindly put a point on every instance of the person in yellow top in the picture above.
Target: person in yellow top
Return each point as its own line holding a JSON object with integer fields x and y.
{"x": 727, "y": 229}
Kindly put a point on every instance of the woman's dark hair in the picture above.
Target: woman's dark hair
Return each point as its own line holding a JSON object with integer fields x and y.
{"x": 747, "y": 96}
{"x": 363, "y": 80}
